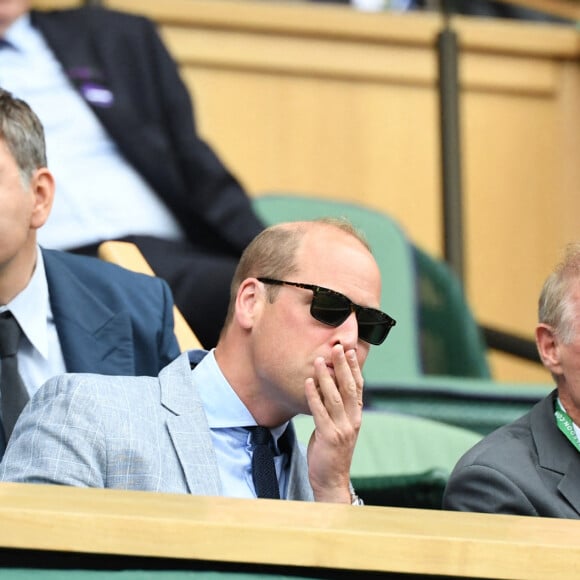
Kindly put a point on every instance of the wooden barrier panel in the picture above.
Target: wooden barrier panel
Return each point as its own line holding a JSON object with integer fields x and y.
{"x": 322, "y": 99}
{"x": 284, "y": 535}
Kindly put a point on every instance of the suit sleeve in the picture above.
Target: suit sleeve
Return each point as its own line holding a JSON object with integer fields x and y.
{"x": 58, "y": 438}
{"x": 479, "y": 488}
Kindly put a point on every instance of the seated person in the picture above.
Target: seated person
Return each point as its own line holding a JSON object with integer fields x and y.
{"x": 125, "y": 152}
{"x": 532, "y": 466}
{"x": 74, "y": 313}
{"x": 289, "y": 346}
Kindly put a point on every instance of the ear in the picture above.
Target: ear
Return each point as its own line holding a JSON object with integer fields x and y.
{"x": 42, "y": 186}
{"x": 548, "y": 348}
{"x": 249, "y": 301}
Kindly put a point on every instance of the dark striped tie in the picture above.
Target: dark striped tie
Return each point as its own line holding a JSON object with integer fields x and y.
{"x": 12, "y": 389}
{"x": 263, "y": 468}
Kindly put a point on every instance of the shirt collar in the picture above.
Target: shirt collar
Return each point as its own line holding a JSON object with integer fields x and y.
{"x": 20, "y": 34}
{"x": 31, "y": 308}
{"x": 18, "y": 30}
{"x": 223, "y": 407}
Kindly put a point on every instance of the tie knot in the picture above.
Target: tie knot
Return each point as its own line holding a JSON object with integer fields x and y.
{"x": 261, "y": 436}
{"x": 9, "y": 335}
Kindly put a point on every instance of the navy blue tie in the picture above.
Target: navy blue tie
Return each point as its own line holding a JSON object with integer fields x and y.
{"x": 263, "y": 468}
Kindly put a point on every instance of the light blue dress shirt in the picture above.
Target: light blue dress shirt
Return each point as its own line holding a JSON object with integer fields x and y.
{"x": 99, "y": 195}
{"x": 39, "y": 354}
{"x": 227, "y": 416}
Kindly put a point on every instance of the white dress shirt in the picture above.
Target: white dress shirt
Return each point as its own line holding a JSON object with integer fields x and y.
{"x": 39, "y": 354}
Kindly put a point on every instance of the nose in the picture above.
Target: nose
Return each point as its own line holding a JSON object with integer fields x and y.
{"x": 347, "y": 332}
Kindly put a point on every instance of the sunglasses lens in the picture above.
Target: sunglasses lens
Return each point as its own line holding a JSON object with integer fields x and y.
{"x": 332, "y": 308}
{"x": 329, "y": 307}
{"x": 373, "y": 333}
{"x": 373, "y": 325}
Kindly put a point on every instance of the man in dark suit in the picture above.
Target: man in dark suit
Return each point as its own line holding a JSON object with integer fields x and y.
{"x": 532, "y": 466}
{"x": 70, "y": 313}
{"x": 114, "y": 106}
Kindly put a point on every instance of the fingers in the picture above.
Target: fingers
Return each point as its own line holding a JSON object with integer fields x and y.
{"x": 356, "y": 401}
{"x": 336, "y": 392}
{"x": 334, "y": 396}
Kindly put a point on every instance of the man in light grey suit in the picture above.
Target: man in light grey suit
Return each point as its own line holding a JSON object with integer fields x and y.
{"x": 290, "y": 345}
{"x": 532, "y": 467}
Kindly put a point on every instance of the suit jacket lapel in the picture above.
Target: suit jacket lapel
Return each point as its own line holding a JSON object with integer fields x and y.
{"x": 555, "y": 452}
{"x": 92, "y": 336}
{"x": 189, "y": 429}
{"x": 191, "y": 437}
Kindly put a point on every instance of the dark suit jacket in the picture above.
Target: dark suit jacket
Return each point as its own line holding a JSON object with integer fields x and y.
{"x": 109, "y": 320}
{"x": 151, "y": 120}
{"x": 526, "y": 468}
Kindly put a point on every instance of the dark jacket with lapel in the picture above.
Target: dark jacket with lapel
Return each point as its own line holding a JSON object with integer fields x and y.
{"x": 109, "y": 320}
{"x": 151, "y": 120}
{"x": 526, "y": 468}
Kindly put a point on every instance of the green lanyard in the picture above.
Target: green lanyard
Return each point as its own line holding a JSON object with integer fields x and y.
{"x": 566, "y": 425}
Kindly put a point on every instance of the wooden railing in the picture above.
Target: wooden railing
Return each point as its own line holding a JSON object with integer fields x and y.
{"x": 280, "y": 535}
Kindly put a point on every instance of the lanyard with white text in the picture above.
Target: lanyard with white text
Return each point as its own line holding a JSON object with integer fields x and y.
{"x": 566, "y": 425}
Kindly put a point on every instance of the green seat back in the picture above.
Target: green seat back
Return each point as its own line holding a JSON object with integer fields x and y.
{"x": 477, "y": 404}
{"x": 451, "y": 341}
{"x": 401, "y": 460}
{"x": 399, "y": 355}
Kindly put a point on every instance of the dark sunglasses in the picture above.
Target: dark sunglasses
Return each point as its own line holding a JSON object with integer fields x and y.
{"x": 333, "y": 308}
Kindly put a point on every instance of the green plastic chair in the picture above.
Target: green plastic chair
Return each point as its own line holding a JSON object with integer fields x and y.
{"x": 401, "y": 460}
{"x": 434, "y": 363}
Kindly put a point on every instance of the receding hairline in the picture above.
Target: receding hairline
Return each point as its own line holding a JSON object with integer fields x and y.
{"x": 304, "y": 227}
{"x": 273, "y": 252}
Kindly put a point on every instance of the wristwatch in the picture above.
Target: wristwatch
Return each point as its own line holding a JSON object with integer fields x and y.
{"x": 355, "y": 499}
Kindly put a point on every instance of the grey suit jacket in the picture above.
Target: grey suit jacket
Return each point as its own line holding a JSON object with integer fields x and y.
{"x": 525, "y": 468}
{"x": 139, "y": 433}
